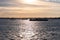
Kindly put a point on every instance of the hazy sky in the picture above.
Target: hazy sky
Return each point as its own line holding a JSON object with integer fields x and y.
{"x": 39, "y": 8}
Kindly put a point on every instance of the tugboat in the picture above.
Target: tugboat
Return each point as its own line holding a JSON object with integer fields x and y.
{"x": 38, "y": 19}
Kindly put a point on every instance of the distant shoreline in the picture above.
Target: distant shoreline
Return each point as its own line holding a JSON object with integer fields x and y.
{"x": 30, "y": 19}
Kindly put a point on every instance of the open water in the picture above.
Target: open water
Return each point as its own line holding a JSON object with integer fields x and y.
{"x": 17, "y": 29}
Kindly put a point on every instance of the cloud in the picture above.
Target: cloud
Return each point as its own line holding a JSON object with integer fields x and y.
{"x": 56, "y": 1}
{"x": 7, "y": 3}
{"x": 14, "y": 8}
{"x": 15, "y": 3}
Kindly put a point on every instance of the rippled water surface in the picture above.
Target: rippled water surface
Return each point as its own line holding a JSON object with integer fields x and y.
{"x": 17, "y": 29}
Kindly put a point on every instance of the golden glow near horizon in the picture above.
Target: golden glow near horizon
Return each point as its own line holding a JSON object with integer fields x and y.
{"x": 30, "y": 8}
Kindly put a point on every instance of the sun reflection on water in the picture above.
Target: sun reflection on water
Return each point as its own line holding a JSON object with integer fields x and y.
{"x": 28, "y": 32}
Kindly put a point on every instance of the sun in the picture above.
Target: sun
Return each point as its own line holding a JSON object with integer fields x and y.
{"x": 28, "y": 1}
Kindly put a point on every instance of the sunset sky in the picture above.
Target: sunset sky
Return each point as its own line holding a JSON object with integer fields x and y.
{"x": 29, "y": 8}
